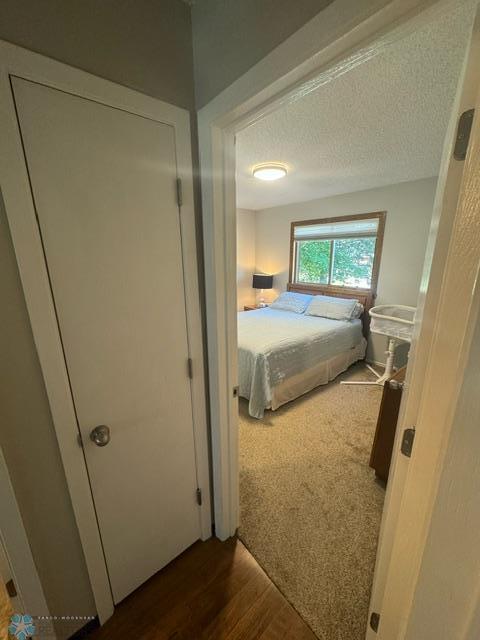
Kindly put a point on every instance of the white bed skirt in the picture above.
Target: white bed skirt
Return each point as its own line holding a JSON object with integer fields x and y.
{"x": 322, "y": 373}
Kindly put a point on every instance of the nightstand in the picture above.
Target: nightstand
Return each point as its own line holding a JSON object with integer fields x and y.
{"x": 249, "y": 308}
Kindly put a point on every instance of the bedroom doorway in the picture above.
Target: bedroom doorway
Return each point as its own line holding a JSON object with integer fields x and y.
{"x": 310, "y": 504}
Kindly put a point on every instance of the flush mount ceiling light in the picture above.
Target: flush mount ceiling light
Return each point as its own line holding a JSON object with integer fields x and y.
{"x": 269, "y": 171}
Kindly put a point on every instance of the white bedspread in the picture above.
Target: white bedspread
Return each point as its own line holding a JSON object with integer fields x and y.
{"x": 274, "y": 345}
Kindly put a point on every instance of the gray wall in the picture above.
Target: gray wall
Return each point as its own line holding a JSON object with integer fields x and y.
{"x": 245, "y": 257}
{"x": 409, "y": 207}
{"x": 143, "y": 44}
{"x": 230, "y": 36}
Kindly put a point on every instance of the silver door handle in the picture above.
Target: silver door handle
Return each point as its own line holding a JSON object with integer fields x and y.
{"x": 100, "y": 435}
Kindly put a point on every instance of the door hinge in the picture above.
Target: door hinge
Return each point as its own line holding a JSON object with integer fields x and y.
{"x": 190, "y": 368}
{"x": 198, "y": 494}
{"x": 407, "y": 442}
{"x": 463, "y": 134}
{"x": 11, "y": 589}
{"x": 374, "y": 621}
{"x": 179, "y": 192}
{"x": 235, "y": 392}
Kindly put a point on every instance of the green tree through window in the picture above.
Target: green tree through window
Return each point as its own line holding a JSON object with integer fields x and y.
{"x": 314, "y": 261}
{"x": 336, "y": 252}
{"x": 340, "y": 261}
{"x": 353, "y": 262}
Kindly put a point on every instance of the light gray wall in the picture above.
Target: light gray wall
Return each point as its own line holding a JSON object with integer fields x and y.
{"x": 245, "y": 257}
{"x": 143, "y": 44}
{"x": 230, "y": 36}
{"x": 409, "y": 207}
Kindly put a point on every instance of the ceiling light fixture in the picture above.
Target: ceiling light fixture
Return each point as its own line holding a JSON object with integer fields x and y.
{"x": 269, "y": 171}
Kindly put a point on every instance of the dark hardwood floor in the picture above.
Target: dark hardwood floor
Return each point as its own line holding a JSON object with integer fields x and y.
{"x": 213, "y": 590}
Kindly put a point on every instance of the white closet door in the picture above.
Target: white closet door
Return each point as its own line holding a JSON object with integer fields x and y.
{"x": 103, "y": 182}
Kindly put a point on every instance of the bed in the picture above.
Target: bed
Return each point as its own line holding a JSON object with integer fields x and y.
{"x": 282, "y": 354}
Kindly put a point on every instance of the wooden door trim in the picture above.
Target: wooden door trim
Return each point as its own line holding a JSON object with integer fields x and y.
{"x": 372, "y": 290}
{"x": 15, "y": 61}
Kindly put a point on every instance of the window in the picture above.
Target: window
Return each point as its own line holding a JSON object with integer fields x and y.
{"x": 337, "y": 252}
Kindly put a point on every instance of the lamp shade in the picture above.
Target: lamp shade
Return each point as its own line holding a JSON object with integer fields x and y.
{"x": 262, "y": 281}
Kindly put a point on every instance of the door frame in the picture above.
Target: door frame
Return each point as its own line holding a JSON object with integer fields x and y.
{"x": 20, "y": 211}
{"x": 14, "y": 541}
{"x": 445, "y": 217}
{"x": 344, "y": 34}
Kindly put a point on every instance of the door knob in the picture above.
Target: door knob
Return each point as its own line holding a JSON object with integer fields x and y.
{"x": 100, "y": 435}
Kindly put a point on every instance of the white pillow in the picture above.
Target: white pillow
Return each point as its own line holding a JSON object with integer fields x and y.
{"x": 331, "y": 307}
{"x": 357, "y": 312}
{"x": 290, "y": 301}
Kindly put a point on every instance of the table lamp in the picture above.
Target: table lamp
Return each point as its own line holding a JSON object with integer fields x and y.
{"x": 262, "y": 281}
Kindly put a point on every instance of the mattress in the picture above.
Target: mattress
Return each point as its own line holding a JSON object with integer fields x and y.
{"x": 275, "y": 345}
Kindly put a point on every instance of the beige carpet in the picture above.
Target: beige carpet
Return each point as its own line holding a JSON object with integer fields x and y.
{"x": 310, "y": 505}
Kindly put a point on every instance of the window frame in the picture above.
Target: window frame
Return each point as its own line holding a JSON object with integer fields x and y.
{"x": 335, "y": 288}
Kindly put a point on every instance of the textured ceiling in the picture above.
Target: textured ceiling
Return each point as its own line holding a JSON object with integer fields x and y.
{"x": 381, "y": 123}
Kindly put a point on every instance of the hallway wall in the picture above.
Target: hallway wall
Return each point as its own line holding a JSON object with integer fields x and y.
{"x": 230, "y": 37}
{"x": 146, "y": 45}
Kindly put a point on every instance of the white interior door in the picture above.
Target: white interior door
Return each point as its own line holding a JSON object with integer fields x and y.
{"x": 103, "y": 183}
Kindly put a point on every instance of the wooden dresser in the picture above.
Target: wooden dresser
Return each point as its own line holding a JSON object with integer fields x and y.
{"x": 382, "y": 448}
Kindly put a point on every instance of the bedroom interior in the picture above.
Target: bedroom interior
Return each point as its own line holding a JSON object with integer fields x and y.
{"x": 205, "y": 486}
{"x": 347, "y": 221}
